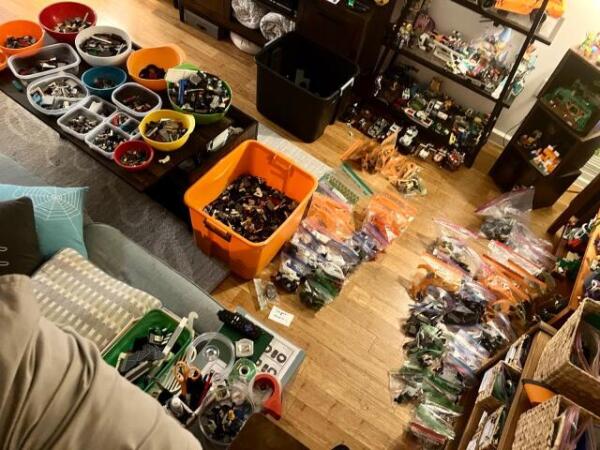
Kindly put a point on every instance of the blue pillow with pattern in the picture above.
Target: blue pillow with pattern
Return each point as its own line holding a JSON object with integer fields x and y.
{"x": 58, "y": 215}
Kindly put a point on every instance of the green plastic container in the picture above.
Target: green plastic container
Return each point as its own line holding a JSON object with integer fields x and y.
{"x": 153, "y": 318}
{"x": 202, "y": 119}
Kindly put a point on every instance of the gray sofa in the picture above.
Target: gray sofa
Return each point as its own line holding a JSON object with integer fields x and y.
{"x": 122, "y": 258}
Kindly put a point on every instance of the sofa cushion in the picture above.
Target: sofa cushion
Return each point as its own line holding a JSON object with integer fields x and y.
{"x": 72, "y": 292}
{"x": 56, "y": 392}
{"x": 58, "y": 215}
{"x": 19, "y": 248}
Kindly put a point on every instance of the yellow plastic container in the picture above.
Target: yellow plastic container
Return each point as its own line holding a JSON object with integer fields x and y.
{"x": 246, "y": 258}
{"x": 155, "y": 116}
{"x": 165, "y": 57}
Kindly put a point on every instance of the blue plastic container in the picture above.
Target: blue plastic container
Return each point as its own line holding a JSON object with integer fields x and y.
{"x": 119, "y": 76}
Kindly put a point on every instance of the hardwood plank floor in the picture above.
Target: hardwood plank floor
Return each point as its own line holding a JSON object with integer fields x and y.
{"x": 340, "y": 393}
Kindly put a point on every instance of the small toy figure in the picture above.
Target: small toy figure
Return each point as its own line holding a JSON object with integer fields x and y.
{"x": 409, "y": 136}
{"x": 530, "y": 142}
{"x": 590, "y": 48}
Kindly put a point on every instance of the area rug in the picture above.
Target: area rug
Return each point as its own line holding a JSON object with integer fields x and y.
{"x": 110, "y": 200}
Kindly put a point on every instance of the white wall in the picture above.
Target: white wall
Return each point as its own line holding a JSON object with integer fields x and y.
{"x": 581, "y": 17}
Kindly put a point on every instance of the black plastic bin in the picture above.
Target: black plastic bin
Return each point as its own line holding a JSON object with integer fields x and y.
{"x": 301, "y": 86}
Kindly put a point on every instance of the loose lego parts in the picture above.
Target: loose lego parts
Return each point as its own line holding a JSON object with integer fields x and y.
{"x": 108, "y": 139}
{"x": 133, "y": 157}
{"x": 19, "y": 41}
{"x": 197, "y": 91}
{"x": 58, "y": 94}
{"x": 82, "y": 124}
{"x": 240, "y": 324}
{"x": 165, "y": 130}
{"x": 104, "y": 45}
{"x": 73, "y": 24}
{"x": 224, "y": 414}
{"x": 152, "y": 72}
{"x": 43, "y": 65}
{"x": 103, "y": 83}
{"x": 251, "y": 208}
{"x": 137, "y": 103}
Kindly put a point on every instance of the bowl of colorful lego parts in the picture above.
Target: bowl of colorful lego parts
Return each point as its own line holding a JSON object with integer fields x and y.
{"x": 193, "y": 91}
{"x": 148, "y": 66}
{"x": 133, "y": 156}
{"x": 135, "y": 99}
{"x": 103, "y": 46}
{"x": 224, "y": 412}
{"x": 22, "y": 37}
{"x": 64, "y": 20}
{"x": 167, "y": 130}
{"x": 102, "y": 81}
{"x": 105, "y": 139}
{"x": 56, "y": 94}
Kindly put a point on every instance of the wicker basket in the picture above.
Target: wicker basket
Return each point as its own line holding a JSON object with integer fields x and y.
{"x": 485, "y": 397}
{"x": 535, "y": 428}
{"x": 556, "y": 369}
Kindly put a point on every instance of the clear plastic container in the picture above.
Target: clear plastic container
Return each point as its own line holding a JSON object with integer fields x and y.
{"x": 64, "y": 120}
{"x": 89, "y": 139}
{"x": 43, "y": 82}
{"x": 129, "y": 89}
{"x": 61, "y": 51}
{"x": 127, "y": 124}
{"x": 99, "y": 106}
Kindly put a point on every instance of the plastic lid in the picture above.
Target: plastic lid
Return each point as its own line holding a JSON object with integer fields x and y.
{"x": 213, "y": 352}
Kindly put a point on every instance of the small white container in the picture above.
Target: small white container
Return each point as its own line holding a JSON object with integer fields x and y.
{"x": 135, "y": 89}
{"x": 63, "y": 121}
{"x": 42, "y": 82}
{"x": 62, "y": 51}
{"x": 129, "y": 122}
{"x": 117, "y": 60}
{"x": 106, "y": 106}
{"x": 89, "y": 139}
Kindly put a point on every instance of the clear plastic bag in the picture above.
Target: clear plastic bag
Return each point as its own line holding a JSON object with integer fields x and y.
{"x": 330, "y": 217}
{"x": 511, "y": 204}
{"x": 387, "y": 217}
{"x": 434, "y": 272}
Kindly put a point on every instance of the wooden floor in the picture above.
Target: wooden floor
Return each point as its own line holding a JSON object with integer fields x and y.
{"x": 340, "y": 394}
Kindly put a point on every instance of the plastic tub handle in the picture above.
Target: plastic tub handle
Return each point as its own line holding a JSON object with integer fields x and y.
{"x": 223, "y": 234}
{"x": 281, "y": 163}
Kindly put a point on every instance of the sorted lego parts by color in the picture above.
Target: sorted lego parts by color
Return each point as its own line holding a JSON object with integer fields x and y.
{"x": 43, "y": 65}
{"x": 82, "y": 124}
{"x": 251, "y": 208}
{"x": 108, "y": 139}
{"x": 73, "y": 24}
{"x": 152, "y": 72}
{"x": 19, "y": 41}
{"x": 199, "y": 92}
{"x": 104, "y": 45}
{"x": 58, "y": 94}
{"x": 165, "y": 130}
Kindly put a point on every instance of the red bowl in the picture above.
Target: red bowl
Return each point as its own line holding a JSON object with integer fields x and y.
{"x": 58, "y": 12}
{"x": 129, "y": 145}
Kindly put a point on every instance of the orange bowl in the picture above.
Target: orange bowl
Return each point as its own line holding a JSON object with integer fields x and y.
{"x": 165, "y": 57}
{"x": 21, "y": 28}
{"x": 3, "y": 60}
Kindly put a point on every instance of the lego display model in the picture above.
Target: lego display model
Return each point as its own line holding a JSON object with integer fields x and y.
{"x": 576, "y": 105}
{"x": 590, "y": 48}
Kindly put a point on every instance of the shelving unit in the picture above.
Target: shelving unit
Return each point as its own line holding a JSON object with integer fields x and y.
{"x": 514, "y": 166}
{"x": 390, "y": 55}
{"x": 465, "y": 429}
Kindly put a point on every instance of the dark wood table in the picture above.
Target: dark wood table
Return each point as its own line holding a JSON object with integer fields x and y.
{"x": 260, "y": 433}
{"x": 167, "y": 182}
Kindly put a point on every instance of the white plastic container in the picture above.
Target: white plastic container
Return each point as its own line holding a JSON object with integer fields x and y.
{"x": 89, "y": 139}
{"x": 61, "y": 51}
{"x": 129, "y": 122}
{"x": 108, "y": 107}
{"x": 135, "y": 89}
{"x": 117, "y": 60}
{"x": 62, "y": 121}
{"x": 42, "y": 82}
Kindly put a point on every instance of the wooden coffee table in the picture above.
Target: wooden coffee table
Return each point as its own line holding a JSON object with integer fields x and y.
{"x": 166, "y": 182}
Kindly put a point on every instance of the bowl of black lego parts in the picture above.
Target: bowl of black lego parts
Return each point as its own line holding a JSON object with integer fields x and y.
{"x": 79, "y": 122}
{"x": 105, "y": 139}
{"x": 103, "y": 46}
{"x": 133, "y": 156}
{"x": 102, "y": 81}
{"x": 56, "y": 94}
{"x": 49, "y": 60}
{"x": 136, "y": 100}
{"x": 167, "y": 130}
{"x": 224, "y": 412}
{"x": 64, "y": 20}
{"x": 207, "y": 97}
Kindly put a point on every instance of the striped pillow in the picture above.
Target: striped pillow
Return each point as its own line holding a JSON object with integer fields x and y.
{"x": 72, "y": 292}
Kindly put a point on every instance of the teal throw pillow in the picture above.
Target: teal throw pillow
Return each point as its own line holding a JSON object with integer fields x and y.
{"x": 58, "y": 215}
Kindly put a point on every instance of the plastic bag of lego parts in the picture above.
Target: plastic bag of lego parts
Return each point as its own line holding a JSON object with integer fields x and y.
{"x": 454, "y": 251}
{"x": 502, "y": 213}
{"x": 330, "y": 217}
{"x": 274, "y": 25}
{"x": 433, "y": 425}
{"x": 248, "y": 12}
{"x": 528, "y": 245}
{"x": 432, "y": 271}
{"x": 387, "y": 217}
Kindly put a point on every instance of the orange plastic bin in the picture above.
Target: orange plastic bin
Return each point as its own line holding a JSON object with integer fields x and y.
{"x": 246, "y": 258}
